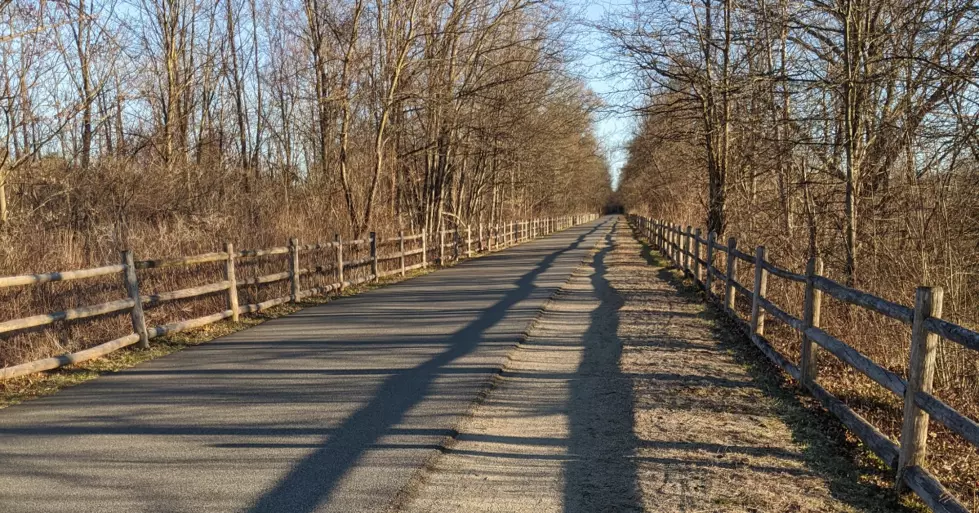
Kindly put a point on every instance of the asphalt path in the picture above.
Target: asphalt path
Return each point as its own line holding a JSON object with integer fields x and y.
{"x": 333, "y": 408}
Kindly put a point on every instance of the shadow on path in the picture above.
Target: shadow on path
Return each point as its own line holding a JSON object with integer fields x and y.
{"x": 312, "y": 480}
{"x": 601, "y": 473}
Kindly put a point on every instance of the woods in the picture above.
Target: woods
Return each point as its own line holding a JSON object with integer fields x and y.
{"x": 142, "y": 123}
{"x": 844, "y": 130}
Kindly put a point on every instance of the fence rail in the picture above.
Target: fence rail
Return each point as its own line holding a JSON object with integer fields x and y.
{"x": 430, "y": 249}
{"x": 683, "y": 248}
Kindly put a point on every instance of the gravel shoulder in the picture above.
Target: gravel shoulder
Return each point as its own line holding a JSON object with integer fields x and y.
{"x": 628, "y": 395}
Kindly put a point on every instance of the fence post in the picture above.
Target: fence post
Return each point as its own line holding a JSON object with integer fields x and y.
{"x": 811, "y": 307}
{"x": 441, "y": 243}
{"x": 696, "y": 255}
{"x": 229, "y": 274}
{"x": 686, "y": 249}
{"x": 293, "y": 269}
{"x": 441, "y": 247}
{"x": 709, "y": 276}
{"x": 732, "y": 269}
{"x": 424, "y": 249}
{"x": 676, "y": 245}
{"x": 455, "y": 243}
{"x": 132, "y": 289}
{"x": 373, "y": 241}
{"x": 921, "y": 373}
{"x": 339, "y": 241}
{"x": 401, "y": 249}
{"x": 761, "y": 287}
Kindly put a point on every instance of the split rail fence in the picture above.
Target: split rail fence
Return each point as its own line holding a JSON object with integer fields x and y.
{"x": 373, "y": 258}
{"x": 695, "y": 255}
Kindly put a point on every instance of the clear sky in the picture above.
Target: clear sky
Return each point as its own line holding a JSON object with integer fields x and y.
{"x": 614, "y": 125}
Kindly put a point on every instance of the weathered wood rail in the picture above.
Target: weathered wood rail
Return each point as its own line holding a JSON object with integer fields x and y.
{"x": 908, "y": 457}
{"x": 385, "y": 257}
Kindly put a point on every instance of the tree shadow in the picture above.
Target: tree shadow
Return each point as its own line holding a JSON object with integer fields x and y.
{"x": 601, "y": 474}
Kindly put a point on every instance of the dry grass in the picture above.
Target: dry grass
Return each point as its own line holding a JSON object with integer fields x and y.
{"x": 952, "y": 458}
{"x": 852, "y": 474}
{"x": 887, "y": 342}
{"x": 118, "y": 205}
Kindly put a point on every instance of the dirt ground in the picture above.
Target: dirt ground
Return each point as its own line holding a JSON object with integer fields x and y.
{"x": 628, "y": 395}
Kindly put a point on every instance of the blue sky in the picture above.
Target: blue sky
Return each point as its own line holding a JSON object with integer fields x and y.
{"x": 613, "y": 127}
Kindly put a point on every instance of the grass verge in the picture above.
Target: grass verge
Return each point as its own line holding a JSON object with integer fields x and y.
{"x": 854, "y": 474}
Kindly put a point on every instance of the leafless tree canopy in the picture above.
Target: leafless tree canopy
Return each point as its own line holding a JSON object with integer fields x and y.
{"x": 164, "y": 125}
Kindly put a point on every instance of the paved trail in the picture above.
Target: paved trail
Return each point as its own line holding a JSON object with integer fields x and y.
{"x": 331, "y": 409}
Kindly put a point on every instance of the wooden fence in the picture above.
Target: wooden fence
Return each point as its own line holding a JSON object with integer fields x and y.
{"x": 695, "y": 255}
{"x": 383, "y": 257}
